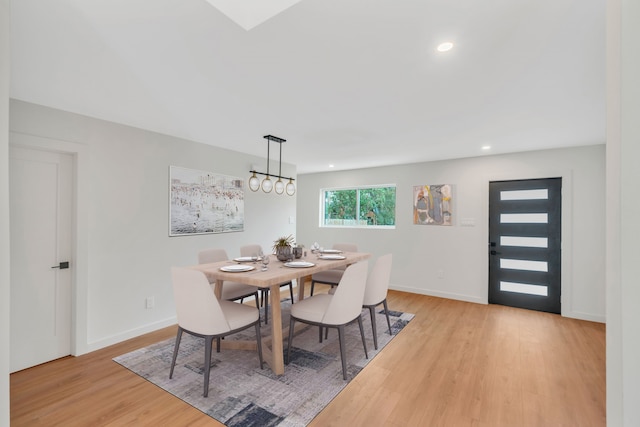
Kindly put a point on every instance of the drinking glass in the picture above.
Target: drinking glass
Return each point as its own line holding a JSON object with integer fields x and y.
{"x": 265, "y": 262}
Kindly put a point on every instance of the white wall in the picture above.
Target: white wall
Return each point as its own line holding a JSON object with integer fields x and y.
{"x": 461, "y": 251}
{"x": 123, "y": 249}
{"x": 623, "y": 211}
{"x": 4, "y": 211}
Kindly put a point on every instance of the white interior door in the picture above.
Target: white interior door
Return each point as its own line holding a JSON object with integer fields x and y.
{"x": 41, "y": 189}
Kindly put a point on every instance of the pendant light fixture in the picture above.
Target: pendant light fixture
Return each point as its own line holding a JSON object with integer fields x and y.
{"x": 267, "y": 185}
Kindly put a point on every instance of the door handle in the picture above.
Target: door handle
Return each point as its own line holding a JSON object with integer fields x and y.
{"x": 63, "y": 265}
{"x": 495, "y": 253}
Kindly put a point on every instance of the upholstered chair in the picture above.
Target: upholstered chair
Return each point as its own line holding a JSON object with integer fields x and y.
{"x": 376, "y": 291}
{"x": 202, "y": 315}
{"x": 231, "y": 291}
{"x": 334, "y": 311}
{"x": 332, "y": 277}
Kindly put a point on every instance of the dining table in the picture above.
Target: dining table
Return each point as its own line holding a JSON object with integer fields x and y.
{"x": 277, "y": 272}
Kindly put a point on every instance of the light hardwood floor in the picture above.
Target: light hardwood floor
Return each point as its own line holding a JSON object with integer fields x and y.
{"x": 455, "y": 364}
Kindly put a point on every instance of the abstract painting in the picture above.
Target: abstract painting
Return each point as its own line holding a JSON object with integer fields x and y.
{"x": 432, "y": 204}
{"x": 204, "y": 202}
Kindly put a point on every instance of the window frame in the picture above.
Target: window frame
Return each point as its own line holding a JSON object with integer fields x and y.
{"x": 323, "y": 192}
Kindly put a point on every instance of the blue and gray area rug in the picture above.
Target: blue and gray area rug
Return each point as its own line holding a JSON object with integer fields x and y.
{"x": 241, "y": 394}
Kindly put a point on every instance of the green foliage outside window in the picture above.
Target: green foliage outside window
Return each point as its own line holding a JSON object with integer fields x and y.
{"x": 360, "y": 207}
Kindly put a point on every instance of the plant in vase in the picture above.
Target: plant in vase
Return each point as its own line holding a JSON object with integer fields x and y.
{"x": 282, "y": 247}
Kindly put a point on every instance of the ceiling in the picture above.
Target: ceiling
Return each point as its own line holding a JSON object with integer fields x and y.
{"x": 353, "y": 83}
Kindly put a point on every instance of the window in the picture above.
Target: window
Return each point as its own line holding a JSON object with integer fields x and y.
{"x": 359, "y": 207}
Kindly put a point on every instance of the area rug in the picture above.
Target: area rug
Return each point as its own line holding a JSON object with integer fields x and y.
{"x": 242, "y": 394}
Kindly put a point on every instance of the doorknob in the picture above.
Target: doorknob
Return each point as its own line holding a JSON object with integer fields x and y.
{"x": 62, "y": 265}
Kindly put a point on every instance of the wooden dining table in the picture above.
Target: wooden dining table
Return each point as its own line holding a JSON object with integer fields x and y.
{"x": 276, "y": 274}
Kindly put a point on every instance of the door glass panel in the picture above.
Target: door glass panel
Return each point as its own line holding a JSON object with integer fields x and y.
{"x": 541, "y": 194}
{"x": 523, "y": 288}
{"x": 527, "y": 218}
{"x": 527, "y": 242}
{"x": 520, "y": 264}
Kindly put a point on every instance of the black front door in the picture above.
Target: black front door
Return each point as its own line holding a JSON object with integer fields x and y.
{"x": 525, "y": 243}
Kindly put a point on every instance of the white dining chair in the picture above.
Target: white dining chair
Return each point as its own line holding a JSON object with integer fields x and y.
{"x": 202, "y": 315}
{"x": 376, "y": 292}
{"x": 231, "y": 291}
{"x": 332, "y": 277}
{"x": 250, "y": 250}
{"x": 334, "y": 311}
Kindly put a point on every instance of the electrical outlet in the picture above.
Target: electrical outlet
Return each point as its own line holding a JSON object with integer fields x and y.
{"x": 440, "y": 274}
{"x": 149, "y": 302}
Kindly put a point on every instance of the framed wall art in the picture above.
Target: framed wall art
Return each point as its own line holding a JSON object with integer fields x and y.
{"x": 203, "y": 202}
{"x": 432, "y": 204}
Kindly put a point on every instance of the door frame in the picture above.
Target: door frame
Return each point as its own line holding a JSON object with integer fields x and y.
{"x": 79, "y": 228}
{"x": 566, "y": 253}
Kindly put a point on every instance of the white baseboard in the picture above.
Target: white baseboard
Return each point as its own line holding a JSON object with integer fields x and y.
{"x": 585, "y": 316}
{"x": 571, "y": 314}
{"x": 131, "y": 333}
{"x": 439, "y": 294}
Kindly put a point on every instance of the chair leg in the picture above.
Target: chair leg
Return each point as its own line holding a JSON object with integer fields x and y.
{"x": 372, "y": 312}
{"x": 259, "y": 338}
{"x": 342, "y": 351}
{"x": 364, "y": 344}
{"x": 265, "y": 299}
{"x": 175, "y": 351}
{"x": 290, "y": 343}
{"x": 217, "y": 344}
{"x": 313, "y": 284}
{"x": 291, "y": 291}
{"x": 208, "y": 342}
{"x": 386, "y": 311}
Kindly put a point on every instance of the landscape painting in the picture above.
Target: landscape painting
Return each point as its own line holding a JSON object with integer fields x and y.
{"x": 204, "y": 202}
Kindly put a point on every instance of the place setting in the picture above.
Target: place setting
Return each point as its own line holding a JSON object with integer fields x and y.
{"x": 331, "y": 257}
{"x": 237, "y": 268}
{"x": 299, "y": 264}
{"x": 248, "y": 259}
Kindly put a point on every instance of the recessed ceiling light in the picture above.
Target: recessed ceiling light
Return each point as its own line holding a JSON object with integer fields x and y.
{"x": 444, "y": 47}
{"x": 330, "y": 166}
{"x": 486, "y": 147}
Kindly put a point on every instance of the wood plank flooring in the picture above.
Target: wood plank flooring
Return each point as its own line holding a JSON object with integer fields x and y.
{"x": 455, "y": 364}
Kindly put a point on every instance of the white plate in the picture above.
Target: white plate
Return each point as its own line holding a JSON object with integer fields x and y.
{"x": 246, "y": 259}
{"x": 236, "y": 268}
{"x": 299, "y": 264}
{"x": 333, "y": 257}
{"x": 332, "y": 251}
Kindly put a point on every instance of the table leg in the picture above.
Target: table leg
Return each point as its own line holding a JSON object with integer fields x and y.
{"x": 277, "y": 347}
{"x": 301, "y": 282}
{"x": 218, "y": 288}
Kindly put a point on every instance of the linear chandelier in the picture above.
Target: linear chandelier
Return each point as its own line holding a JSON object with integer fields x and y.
{"x": 267, "y": 185}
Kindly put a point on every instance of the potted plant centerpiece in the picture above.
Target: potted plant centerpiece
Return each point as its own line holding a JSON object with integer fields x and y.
{"x": 282, "y": 247}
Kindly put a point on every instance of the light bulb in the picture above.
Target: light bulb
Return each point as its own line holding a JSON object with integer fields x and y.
{"x": 267, "y": 185}
{"x": 279, "y": 187}
{"x": 291, "y": 188}
{"x": 254, "y": 182}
